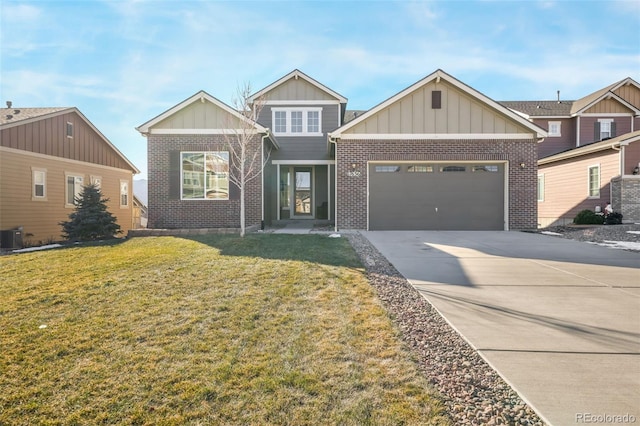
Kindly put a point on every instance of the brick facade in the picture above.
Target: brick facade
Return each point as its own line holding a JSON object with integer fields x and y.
{"x": 167, "y": 210}
{"x": 352, "y": 189}
{"x": 625, "y": 197}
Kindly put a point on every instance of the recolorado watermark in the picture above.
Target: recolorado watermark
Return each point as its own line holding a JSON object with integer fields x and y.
{"x": 591, "y": 418}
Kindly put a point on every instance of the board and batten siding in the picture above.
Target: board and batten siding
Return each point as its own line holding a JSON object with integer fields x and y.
{"x": 629, "y": 93}
{"x": 48, "y": 136}
{"x": 40, "y": 217}
{"x": 459, "y": 113}
{"x": 608, "y": 106}
{"x": 200, "y": 115}
{"x": 299, "y": 90}
{"x": 566, "y": 186}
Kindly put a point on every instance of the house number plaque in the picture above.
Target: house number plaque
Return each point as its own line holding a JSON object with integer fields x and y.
{"x": 354, "y": 173}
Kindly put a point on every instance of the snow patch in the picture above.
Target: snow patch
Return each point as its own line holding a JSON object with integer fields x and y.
{"x": 550, "y": 233}
{"x": 620, "y": 245}
{"x": 47, "y": 247}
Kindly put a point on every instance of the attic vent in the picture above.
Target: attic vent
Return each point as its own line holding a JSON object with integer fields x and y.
{"x": 9, "y": 116}
{"x": 436, "y": 99}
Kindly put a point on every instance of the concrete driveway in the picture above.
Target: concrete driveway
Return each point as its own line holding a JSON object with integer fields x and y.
{"x": 559, "y": 320}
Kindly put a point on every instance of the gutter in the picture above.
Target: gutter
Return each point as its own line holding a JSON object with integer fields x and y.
{"x": 334, "y": 141}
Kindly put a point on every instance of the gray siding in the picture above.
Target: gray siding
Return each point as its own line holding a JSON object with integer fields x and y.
{"x": 304, "y": 147}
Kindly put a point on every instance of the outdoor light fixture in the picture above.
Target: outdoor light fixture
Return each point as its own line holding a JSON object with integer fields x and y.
{"x": 522, "y": 165}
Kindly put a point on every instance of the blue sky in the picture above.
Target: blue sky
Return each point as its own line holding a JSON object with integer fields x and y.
{"x": 124, "y": 62}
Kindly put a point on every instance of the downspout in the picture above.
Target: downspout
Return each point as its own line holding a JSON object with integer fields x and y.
{"x": 266, "y": 135}
{"x": 620, "y": 158}
{"x": 335, "y": 183}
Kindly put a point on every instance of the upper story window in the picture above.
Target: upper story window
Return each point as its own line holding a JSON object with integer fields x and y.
{"x": 297, "y": 121}
{"x": 69, "y": 130}
{"x": 605, "y": 128}
{"x": 554, "y": 128}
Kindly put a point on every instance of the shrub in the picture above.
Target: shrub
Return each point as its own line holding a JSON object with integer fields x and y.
{"x": 90, "y": 220}
{"x": 588, "y": 217}
{"x": 613, "y": 218}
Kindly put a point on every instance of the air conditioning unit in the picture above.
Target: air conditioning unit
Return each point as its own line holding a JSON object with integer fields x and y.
{"x": 11, "y": 239}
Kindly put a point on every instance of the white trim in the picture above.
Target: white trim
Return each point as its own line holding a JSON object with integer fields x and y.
{"x": 539, "y": 196}
{"x": 201, "y": 96}
{"x": 305, "y": 121}
{"x": 65, "y": 160}
{"x": 589, "y": 196}
{"x": 302, "y": 162}
{"x": 203, "y": 131}
{"x": 66, "y": 130}
{"x": 298, "y": 74}
{"x": 295, "y": 103}
{"x": 604, "y": 115}
{"x": 75, "y": 176}
{"x": 437, "y": 75}
{"x": 554, "y": 134}
{"x": 444, "y": 136}
{"x": 120, "y": 193}
{"x": 35, "y": 197}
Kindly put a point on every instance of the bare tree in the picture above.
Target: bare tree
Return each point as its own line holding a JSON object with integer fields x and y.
{"x": 248, "y": 154}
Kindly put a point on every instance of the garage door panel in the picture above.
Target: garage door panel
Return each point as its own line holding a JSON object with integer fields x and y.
{"x": 439, "y": 200}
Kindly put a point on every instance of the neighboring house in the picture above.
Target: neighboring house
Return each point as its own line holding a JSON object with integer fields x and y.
{"x": 46, "y": 156}
{"x": 589, "y": 177}
{"x": 139, "y": 213}
{"x": 572, "y": 158}
{"x": 604, "y": 114}
{"x": 438, "y": 155}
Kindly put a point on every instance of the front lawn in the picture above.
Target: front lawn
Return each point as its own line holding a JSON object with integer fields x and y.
{"x": 269, "y": 329}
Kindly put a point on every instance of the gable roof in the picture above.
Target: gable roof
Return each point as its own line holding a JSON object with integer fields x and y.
{"x": 297, "y": 74}
{"x": 16, "y": 115}
{"x": 20, "y": 116}
{"x": 437, "y": 76}
{"x": 612, "y": 143}
{"x": 588, "y": 101}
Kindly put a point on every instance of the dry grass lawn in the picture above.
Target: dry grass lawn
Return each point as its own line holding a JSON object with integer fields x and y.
{"x": 269, "y": 329}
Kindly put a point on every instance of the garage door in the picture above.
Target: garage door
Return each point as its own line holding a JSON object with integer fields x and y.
{"x": 436, "y": 196}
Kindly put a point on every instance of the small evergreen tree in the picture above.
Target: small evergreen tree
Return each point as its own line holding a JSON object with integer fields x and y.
{"x": 90, "y": 220}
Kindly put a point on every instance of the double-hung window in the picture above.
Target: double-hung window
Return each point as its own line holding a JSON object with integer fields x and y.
{"x": 124, "y": 193}
{"x": 594, "y": 181}
{"x": 39, "y": 184}
{"x": 297, "y": 121}
{"x": 555, "y": 128}
{"x": 541, "y": 187}
{"x": 605, "y": 129}
{"x": 205, "y": 175}
{"x": 73, "y": 186}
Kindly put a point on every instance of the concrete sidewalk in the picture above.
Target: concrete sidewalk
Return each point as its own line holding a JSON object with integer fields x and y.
{"x": 559, "y": 320}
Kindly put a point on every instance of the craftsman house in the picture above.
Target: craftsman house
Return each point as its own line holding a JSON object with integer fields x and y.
{"x": 437, "y": 155}
{"x": 46, "y": 156}
{"x": 591, "y": 155}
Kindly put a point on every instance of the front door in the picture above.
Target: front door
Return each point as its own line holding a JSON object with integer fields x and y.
{"x": 303, "y": 191}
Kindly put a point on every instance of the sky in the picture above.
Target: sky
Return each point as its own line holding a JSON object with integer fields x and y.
{"x": 123, "y": 62}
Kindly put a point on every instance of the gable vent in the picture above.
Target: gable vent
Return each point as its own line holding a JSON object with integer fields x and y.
{"x": 436, "y": 99}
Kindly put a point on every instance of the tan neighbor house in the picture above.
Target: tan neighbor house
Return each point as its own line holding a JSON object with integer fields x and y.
{"x": 46, "y": 156}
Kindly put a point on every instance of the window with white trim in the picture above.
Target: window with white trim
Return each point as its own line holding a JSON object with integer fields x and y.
{"x": 541, "y": 187}
{"x": 555, "y": 128}
{"x": 39, "y": 184}
{"x": 97, "y": 182}
{"x": 606, "y": 128}
{"x": 205, "y": 175}
{"x": 297, "y": 121}
{"x": 594, "y": 181}
{"x": 73, "y": 188}
{"x": 124, "y": 193}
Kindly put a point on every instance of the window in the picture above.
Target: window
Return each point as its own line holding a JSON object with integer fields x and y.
{"x": 605, "y": 128}
{"x": 594, "y": 181}
{"x": 420, "y": 169}
{"x": 205, "y": 175}
{"x": 39, "y": 184}
{"x": 69, "y": 130}
{"x": 436, "y": 99}
{"x": 387, "y": 169}
{"x": 491, "y": 168}
{"x": 124, "y": 193}
{"x": 73, "y": 188}
{"x": 554, "y": 128}
{"x": 297, "y": 121}
{"x": 279, "y": 121}
{"x": 453, "y": 169}
{"x": 540, "y": 187}
{"x": 97, "y": 181}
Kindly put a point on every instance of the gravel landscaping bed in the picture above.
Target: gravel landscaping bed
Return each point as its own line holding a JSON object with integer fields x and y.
{"x": 597, "y": 233}
{"x": 474, "y": 393}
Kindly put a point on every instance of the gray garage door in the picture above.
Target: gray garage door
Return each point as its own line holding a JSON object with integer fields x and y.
{"x": 436, "y": 196}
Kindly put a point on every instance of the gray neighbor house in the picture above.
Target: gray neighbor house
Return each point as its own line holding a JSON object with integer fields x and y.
{"x": 438, "y": 155}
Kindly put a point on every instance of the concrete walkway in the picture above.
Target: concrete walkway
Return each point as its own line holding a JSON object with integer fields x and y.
{"x": 559, "y": 320}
